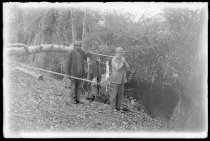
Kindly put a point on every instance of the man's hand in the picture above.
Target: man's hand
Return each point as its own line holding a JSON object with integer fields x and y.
{"x": 123, "y": 60}
{"x": 125, "y": 64}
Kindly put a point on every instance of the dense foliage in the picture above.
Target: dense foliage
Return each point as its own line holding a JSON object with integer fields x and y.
{"x": 163, "y": 51}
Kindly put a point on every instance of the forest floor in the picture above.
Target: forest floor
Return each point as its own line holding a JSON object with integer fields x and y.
{"x": 40, "y": 105}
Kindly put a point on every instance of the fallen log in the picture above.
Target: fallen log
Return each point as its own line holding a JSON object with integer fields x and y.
{"x": 16, "y": 45}
{"x": 31, "y": 73}
{"x": 21, "y": 49}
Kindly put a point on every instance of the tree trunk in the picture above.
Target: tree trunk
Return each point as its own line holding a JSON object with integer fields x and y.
{"x": 83, "y": 29}
{"x": 72, "y": 26}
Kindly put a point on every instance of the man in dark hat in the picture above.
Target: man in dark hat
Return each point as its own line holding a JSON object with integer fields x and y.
{"x": 75, "y": 67}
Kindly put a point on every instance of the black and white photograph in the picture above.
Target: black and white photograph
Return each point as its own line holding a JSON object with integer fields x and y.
{"x": 105, "y": 70}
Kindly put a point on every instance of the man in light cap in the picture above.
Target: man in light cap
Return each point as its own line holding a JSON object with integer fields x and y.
{"x": 118, "y": 78}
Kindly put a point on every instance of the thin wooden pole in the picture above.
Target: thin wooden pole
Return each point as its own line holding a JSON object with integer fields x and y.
{"x": 31, "y": 73}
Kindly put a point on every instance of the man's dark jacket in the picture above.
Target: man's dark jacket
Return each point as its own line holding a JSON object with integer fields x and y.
{"x": 75, "y": 63}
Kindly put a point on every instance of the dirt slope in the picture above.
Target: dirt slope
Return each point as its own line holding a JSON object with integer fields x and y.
{"x": 36, "y": 105}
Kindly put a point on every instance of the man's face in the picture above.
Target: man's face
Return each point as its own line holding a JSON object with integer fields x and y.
{"x": 78, "y": 47}
{"x": 119, "y": 54}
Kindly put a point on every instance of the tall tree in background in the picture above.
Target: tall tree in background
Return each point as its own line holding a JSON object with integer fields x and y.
{"x": 83, "y": 29}
{"x": 72, "y": 26}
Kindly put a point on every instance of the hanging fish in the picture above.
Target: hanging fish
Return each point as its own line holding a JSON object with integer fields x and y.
{"x": 107, "y": 74}
{"x": 88, "y": 67}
